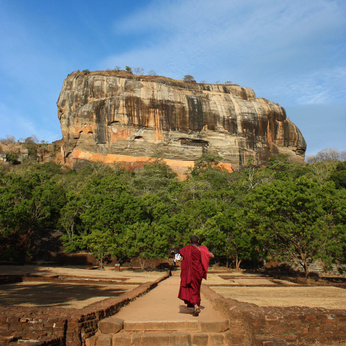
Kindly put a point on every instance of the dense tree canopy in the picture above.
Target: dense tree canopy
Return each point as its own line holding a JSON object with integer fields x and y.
{"x": 302, "y": 220}
{"x": 281, "y": 211}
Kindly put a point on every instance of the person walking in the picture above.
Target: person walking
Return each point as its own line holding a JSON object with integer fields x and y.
{"x": 194, "y": 267}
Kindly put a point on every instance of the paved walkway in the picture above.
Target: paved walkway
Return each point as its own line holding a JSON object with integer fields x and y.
{"x": 160, "y": 318}
{"x": 162, "y": 304}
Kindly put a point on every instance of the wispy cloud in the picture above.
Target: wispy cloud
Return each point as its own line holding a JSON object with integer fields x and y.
{"x": 255, "y": 43}
{"x": 291, "y": 52}
{"x": 323, "y": 86}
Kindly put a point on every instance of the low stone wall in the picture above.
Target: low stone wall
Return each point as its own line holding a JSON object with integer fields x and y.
{"x": 283, "y": 325}
{"x": 58, "y": 326}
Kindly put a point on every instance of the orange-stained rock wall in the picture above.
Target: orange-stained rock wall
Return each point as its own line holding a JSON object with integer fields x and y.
{"x": 132, "y": 163}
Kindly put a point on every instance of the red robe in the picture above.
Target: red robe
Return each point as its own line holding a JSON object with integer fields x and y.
{"x": 192, "y": 272}
{"x": 205, "y": 259}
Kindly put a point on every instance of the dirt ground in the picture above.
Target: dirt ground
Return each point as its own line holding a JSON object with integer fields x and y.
{"x": 264, "y": 291}
{"x": 131, "y": 276}
{"x": 93, "y": 287}
{"x": 313, "y": 297}
{"x": 64, "y": 295}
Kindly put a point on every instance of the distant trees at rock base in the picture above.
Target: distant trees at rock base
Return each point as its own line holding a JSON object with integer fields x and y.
{"x": 282, "y": 211}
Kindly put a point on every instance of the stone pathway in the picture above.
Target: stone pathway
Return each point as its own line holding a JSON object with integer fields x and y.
{"x": 160, "y": 318}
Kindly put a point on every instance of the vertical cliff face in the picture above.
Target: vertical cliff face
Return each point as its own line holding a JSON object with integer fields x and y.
{"x": 117, "y": 117}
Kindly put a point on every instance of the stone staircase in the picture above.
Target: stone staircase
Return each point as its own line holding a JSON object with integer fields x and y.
{"x": 160, "y": 318}
{"x": 115, "y": 331}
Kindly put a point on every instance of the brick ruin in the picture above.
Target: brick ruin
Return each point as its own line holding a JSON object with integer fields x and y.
{"x": 262, "y": 325}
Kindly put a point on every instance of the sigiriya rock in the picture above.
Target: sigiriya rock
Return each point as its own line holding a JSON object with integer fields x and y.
{"x": 118, "y": 117}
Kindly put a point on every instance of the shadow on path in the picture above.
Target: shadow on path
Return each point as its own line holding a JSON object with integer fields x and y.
{"x": 55, "y": 294}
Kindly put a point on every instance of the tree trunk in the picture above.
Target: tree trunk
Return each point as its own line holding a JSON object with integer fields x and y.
{"x": 305, "y": 265}
{"x": 237, "y": 263}
{"x": 142, "y": 263}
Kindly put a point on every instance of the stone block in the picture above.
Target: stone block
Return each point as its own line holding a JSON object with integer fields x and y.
{"x": 111, "y": 325}
{"x": 232, "y": 338}
{"x": 161, "y": 326}
{"x": 216, "y": 339}
{"x": 153, "y": 339}
{"x": 216, "y": 326}
{"x": 181, "y": 339}
{"x": 91, "y": 341}
{"x": 121, "y": 339}
{"x": 200, "y": 339}
{"x": 104, "y": 340}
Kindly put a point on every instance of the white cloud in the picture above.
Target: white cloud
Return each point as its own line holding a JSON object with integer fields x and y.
{"x": 291, "y": 52}
{"x": 265, "y": 44}
{"x": 325, "y": 86}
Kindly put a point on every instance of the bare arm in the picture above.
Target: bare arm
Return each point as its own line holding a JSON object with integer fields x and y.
{"x": 211, "y": 255}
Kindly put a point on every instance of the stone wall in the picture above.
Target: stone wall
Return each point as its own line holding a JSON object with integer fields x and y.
{"x": 283, "y": 325}
{"x": 58, "y": 326}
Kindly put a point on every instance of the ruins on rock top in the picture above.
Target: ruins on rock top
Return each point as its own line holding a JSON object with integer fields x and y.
{"x": 118, "y": 117}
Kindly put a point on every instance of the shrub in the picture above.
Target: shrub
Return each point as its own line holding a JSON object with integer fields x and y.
{"x": 12, "y": 157}
{"x": 189, "y": 78}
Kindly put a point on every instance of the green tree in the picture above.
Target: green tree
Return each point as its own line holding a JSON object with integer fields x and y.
{"x": 144, "y": 241}
{"x": 206, "y": 170}
{"x": 323, "y": 164}
{"x": 227, "y": 235}
{"x": 99, "y": 243}
{"x": 12, "y": 157}
{"x": 103, "y": 204}
{"x": 31, "y": 145}
{"x": 70, "y": 223}
{"x": 302, "y": 220}
{"x": 30, "y": 204}
{"x": 155, "y": 177}
{"x": 189, "y": 78}
{"x": 339, "y": 175}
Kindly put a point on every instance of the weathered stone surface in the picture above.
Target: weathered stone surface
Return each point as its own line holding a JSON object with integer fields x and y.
{"x": 118, "y": 117}
{"x": 111, "y": 325}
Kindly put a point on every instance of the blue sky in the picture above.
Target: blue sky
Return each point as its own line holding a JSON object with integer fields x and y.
{"x": 291, "y": 52}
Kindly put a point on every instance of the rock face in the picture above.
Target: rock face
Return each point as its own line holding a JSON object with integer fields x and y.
{"x": 118, "y": 117}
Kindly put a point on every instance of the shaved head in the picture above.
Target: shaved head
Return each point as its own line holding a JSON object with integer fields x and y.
{"x": 194, "y": 239}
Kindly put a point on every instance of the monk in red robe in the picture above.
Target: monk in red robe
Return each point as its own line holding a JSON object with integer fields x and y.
{"x": 194, "y": 268}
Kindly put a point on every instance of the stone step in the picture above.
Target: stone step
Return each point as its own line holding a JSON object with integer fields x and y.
{"x": 114, "y": 325}
{"x": 114, "y": 331}
{"x": 166, "y": 339}
{"x": 160, "y": 318}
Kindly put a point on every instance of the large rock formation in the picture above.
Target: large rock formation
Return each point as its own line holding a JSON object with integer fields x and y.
{"x": 114, "y": 116}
